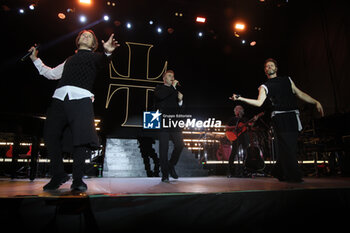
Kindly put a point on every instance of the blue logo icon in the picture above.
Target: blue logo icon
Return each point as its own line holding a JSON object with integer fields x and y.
{"x": 151, "y": 120}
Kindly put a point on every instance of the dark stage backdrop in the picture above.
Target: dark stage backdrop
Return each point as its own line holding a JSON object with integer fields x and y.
{"x": 310, "y": 40}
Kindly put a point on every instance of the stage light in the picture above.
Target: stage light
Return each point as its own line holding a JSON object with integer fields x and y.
{"x": 85, "y": 2}
{"x": 106, "y": 18}
{"x": 200, "y": 19}
{"x": 61, "y": 15}
{"x": 21, "y": 11}
{"x": 171, "y": 30}
{"x": 243, "y": 41}
{"x": 200, "y": 34}
{"x": 82, "y": 19}
{"x": 128, "y": 25}
{"x": 117, "y": 23}
{"x": 159, "y": 30}
{"x": 239, "y": 26}
{"x": 150, "y": 22}
{"x": 253, "y": 43}
{"x": 32, "y": 7}
{"x": 111, "y": 3}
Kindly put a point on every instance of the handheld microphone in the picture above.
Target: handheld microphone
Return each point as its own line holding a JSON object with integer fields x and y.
{"x": 177, "y": 84}
{"x": 236, "y": 96}
{"x": 36, "y": 46}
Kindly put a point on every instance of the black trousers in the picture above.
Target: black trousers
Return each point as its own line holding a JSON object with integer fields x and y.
{"x": 69, "y": 127}
{"x": 242, "y": 142}
{"x": 147, "y": 152}
{"x": 176, "y": 137}
{"x": 285, "y": 127}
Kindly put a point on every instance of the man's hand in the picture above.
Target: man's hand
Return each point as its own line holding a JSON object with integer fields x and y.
{"x": 234, "y": 97}
{"x": 34, "y": 54}
{"x": 319, "y": 108}
{"x": 180, "y": 96}
{"x": 175, "y": 82}
{"x": 110, "y": 45}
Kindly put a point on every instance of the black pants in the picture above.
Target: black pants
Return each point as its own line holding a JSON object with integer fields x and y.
{"x": 69, "y": 127}
{"x": 147, "y": 152}
{"x": 177, "y": 139}
{"x": 241, "y": 143}
{"x": 286, "y": 147}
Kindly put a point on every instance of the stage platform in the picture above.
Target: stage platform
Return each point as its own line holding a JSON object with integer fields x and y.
{"x": 208, "y": 204}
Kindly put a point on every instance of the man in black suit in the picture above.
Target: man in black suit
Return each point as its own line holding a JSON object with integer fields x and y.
{"x": 168, "y": 100}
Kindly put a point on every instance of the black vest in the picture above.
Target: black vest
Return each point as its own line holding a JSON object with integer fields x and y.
{"x": 81, "y": 69}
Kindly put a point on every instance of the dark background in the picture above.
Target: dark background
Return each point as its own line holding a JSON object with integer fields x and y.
{"x": 309, "y": 39}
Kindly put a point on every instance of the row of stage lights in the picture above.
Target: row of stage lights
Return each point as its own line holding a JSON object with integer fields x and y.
{"x": 238, "y": 27}
{"x": 128, "y": 25}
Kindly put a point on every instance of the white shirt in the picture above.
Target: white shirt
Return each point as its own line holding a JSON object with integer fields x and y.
{"x": 73, "y": 92}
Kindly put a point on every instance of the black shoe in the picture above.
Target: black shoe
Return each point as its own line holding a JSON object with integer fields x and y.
{"x": 172, "y": 172}
{"x": 149, "y": 173}
{"x": 165, "y": 179}
{"x": 155, "y": 173}
{"x": 78, "y": 186}
{"x": 56, "y": 182}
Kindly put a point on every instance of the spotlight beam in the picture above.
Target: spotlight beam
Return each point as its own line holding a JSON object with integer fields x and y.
{"x": 64, "y": 37}
{"x": 15, "y": 59}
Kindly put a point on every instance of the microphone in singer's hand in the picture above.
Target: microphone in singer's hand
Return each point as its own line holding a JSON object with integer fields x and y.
{"x": 36, "y": 46}
{"x": 177, "y": 83}
{"x": 236, "y": 96}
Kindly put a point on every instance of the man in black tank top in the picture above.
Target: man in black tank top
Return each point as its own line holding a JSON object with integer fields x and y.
{"x": 282, "y": 93}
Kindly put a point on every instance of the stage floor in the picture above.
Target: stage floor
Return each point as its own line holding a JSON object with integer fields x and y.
{"x": 153, "y": 186}
{"x": 197, "y": 204}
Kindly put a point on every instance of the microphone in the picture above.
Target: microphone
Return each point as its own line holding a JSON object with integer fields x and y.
{"x": 236, "y": 96}
{"x": 178, "y": 83}
{"x": 36, "y": 46}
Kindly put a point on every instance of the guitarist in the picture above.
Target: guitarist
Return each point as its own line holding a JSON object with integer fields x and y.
{"x": 241, "y": 143}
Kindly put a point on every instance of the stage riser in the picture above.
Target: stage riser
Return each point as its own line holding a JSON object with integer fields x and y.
{"x": 123, "y": 159}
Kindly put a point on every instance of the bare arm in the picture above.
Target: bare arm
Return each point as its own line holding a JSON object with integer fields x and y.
{"x": 255, "y": 102}
{"x": 305, "y": 97}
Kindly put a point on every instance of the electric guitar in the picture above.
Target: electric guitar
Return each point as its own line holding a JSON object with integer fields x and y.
{"x": 233, "y": 132}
